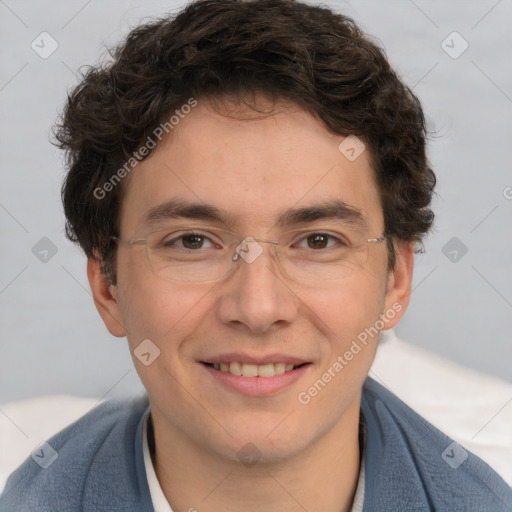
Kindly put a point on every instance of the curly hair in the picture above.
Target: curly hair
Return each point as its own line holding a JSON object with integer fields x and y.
{"x": 286, "y": 49}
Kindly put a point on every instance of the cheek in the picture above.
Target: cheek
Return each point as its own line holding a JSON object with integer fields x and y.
{"x": 346, "y": 315}
{"x": 154, "y": 308}
{"x": 161, "y": 313}
{"x": 158, "y": 311}
{"x": 348, "y": 306}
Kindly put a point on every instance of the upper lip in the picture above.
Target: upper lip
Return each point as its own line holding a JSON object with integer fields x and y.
{"x": 250, "y": 359}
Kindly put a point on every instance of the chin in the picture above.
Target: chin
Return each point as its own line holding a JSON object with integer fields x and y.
{"x": 262, "y": 442}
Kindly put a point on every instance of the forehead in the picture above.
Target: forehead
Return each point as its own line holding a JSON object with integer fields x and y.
{"x": 252, "y": 166}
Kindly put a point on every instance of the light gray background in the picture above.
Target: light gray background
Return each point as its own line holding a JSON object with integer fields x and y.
{"x": 53, "y": 341}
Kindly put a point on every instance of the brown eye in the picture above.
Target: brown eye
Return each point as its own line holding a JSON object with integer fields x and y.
{"x": 318, "y": 241}
{"x": 192, "y": 241}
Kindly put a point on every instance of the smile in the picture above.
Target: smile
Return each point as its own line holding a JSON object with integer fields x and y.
{"x": 253, "y": 370}
{"x": 256, "y": 378}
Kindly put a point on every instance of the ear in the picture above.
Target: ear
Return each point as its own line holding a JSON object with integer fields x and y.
{"x": 105, "y": 298}
{"x": 399, "y": 284}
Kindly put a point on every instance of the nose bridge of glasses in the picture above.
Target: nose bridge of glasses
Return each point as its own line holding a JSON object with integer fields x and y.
{"x": 250, "y": 249}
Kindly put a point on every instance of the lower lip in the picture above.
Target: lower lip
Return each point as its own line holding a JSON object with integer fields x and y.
{"x": 257, "y": 386}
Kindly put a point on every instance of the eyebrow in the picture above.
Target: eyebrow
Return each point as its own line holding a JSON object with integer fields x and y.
{"x": 335, "y": 209}
{"x": 178, "y": 208}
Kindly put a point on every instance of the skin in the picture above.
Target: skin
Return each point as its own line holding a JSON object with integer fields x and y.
{"x": 254, "y": 167}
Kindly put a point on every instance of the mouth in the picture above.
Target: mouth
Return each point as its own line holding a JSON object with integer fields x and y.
{"x": 254, "y": 376}
{"x": 248, "y": 370}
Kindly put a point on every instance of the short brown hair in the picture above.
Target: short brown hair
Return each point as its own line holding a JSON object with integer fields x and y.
{"x": 319, "y": 60}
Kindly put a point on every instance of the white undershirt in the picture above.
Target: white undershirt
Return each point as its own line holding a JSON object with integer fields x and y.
{"x": 161, "y": 504}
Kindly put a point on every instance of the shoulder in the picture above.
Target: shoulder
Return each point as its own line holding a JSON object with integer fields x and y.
{"x": 411, "y": 465}
{"x": 91, "y": 465}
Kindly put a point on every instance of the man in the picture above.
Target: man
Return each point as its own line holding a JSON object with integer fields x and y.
{"x": 248, "y": 181}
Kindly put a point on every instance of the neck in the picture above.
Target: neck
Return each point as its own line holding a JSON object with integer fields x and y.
{"x": 322, "y": 477}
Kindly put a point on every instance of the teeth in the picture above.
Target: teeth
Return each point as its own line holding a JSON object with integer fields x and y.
{"x": 249, "y": 370}
{"x": 235, "y": 368}
{"x": 254, "y": 370}
{"x": 265, "y": 370}
{"x": 279, "y": 368}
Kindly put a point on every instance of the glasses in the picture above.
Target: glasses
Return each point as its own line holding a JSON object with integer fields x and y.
{"x": 198, "y": 254}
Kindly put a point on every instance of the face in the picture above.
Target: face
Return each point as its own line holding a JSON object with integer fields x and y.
{"x": 251, "y": 171}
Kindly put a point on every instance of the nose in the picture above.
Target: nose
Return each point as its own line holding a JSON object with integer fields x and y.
{"x": 255, "y": 296}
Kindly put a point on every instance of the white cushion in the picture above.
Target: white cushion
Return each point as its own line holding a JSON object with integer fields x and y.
{"x": 472, "y": 408}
